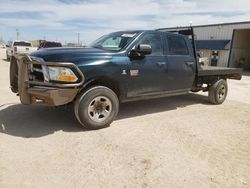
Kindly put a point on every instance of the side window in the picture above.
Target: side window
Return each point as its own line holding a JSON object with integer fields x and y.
{"x": 112, "y": 42}
{"x": 154, "y": 40}
{"x": 177, "y": 46}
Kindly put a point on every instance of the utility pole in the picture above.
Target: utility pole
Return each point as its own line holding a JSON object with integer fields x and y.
{"x": 78, "y": 37}
{"x": 1, "y": 37}
{"x": 17, "y": 34}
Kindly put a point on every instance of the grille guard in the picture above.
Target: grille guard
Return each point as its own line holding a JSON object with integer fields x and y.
{"x": 31, "y": 60}
{"x": 31, "y": 91}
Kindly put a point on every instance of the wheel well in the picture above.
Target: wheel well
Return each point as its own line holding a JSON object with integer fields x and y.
{"x": 107, "y": 82}
{"x": 208, "y": 80}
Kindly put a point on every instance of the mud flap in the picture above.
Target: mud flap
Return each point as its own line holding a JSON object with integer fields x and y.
{"x": 25, "y": 98}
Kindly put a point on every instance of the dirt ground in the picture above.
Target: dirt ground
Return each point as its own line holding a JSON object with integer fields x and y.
{"x": 178, "y": 141}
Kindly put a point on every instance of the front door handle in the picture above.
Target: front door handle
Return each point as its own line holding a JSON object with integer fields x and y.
{"x": 161, "y": 63}
{"x": 189, "y": 63}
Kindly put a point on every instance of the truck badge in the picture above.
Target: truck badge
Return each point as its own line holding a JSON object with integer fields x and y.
{"x": 134, "y": 72}
{"x": 124, "y": 72}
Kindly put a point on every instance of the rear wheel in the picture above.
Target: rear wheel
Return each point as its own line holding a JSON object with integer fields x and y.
{"x": 96, "y": 108}
{"x": 217, "y": 93}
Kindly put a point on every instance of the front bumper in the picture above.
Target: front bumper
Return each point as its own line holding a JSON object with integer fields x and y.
{"x": 34, "y": 84}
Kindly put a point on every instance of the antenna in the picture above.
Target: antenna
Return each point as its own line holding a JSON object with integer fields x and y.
{"x": 17, "y": 34}
{"x": 190, "y": 23}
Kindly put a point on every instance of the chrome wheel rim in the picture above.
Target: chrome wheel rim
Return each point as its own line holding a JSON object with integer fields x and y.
{"x": 221, "y": 92}
{"x": 99, "y": 109}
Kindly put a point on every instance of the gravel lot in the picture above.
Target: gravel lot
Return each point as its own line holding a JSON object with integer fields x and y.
{"x": 179, "y": 141}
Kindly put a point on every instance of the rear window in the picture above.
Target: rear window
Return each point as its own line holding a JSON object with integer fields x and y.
{"x": 177, "y": 46}
{"x": 22, "y": 44}
{"x": 52, "y": 44}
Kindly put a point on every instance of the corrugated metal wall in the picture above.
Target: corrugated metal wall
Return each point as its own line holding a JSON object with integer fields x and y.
{"x": 218, "y": 32}
{"x": 223, "y": 56}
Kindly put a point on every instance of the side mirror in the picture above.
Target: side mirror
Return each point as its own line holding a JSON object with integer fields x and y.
{"x": 140, "y": 50}
{"x": 144, "y": 49}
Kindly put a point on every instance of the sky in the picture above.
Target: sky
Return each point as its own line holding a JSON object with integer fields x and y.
{"x": 62, "y": 20}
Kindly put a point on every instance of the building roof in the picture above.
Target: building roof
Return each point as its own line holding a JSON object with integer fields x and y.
{"x": 208, "y": 25}
{"x": 212, "y": 44}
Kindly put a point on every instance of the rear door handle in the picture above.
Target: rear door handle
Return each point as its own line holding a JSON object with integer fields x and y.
{"x": 189, "y": 63}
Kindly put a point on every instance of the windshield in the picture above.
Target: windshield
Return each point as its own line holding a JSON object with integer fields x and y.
{"x": 114, "y": 41}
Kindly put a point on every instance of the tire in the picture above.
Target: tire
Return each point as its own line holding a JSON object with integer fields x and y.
{"x": 7, "y": 57}
{"x": 217, "y": 93}
{"x": 195, "y": 90}
{"x": 96, "y": 108}
{"x": 13, "y": 76}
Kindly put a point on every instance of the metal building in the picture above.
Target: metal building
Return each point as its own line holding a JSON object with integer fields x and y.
{"x": 225, "y": 44}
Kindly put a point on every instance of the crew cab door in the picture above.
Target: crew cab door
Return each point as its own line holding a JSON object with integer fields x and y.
{"x": 146, "y": 75}
{"x": 181, "y": 64}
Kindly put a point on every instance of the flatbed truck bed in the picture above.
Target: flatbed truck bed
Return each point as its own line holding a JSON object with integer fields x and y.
{"x": 232, "y": 73}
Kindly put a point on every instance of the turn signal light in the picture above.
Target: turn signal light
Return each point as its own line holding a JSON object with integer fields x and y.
{"x": 67, "y": 78}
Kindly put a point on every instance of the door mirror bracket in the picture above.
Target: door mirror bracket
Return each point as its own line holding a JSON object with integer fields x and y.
{"x": 140, "y": 50}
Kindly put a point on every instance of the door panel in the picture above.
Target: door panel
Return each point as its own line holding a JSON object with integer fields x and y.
{"x": 147, "y": 75}
{"x": 181, "y": 63}
{"x": 150, "y": 78}
{"x": 181, "y": 71}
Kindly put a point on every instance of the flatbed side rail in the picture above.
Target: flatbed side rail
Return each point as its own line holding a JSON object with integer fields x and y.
{"x": 225, "y": 72}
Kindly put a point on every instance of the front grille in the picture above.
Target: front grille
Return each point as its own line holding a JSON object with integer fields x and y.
{"x": 36, "y": 73}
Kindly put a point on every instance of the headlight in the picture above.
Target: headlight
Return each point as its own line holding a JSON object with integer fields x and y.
{"x": 59, "y": 74}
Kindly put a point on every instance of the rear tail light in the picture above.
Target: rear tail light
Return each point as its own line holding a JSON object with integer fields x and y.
{"x": 15, "y": 49}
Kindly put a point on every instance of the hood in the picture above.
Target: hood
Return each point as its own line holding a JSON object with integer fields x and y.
{"x": 74, "y": 55}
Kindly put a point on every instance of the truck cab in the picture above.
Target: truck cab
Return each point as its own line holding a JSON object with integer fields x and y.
{"x": 169, "y": 68}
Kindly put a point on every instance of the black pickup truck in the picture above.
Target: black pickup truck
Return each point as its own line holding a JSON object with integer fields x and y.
{"x": 118, "y": 67}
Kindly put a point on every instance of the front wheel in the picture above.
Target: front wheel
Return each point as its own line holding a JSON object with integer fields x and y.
{"x": 217, "y": 93}
{"x": 7, "y": 57}
{"x": 96, "y": 108}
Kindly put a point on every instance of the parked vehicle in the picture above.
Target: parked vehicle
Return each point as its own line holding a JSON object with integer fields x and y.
{"x": 2, "y": 45}
{"x": 118, "y": 67}
{"x": 49, "y": 44}
{"x": 18, "y": 48}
